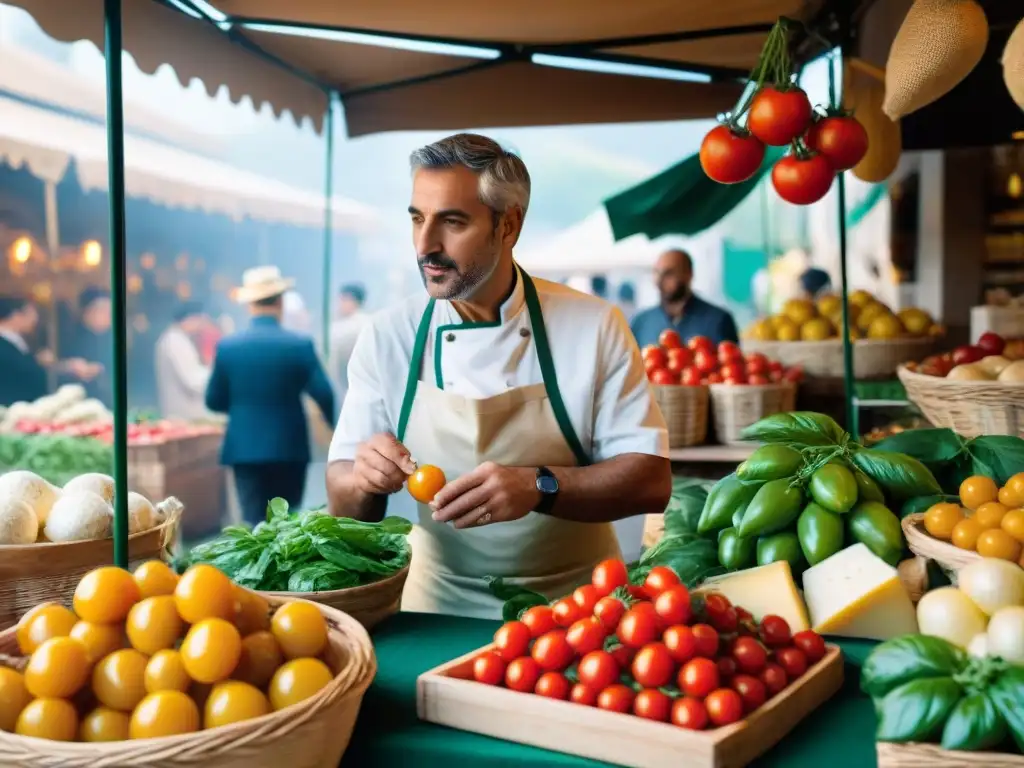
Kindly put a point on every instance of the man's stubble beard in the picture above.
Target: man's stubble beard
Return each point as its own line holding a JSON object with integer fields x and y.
{"x": 466, "y": 284}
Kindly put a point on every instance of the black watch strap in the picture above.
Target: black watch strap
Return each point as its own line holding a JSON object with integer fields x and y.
{"x": 547, "y": 484}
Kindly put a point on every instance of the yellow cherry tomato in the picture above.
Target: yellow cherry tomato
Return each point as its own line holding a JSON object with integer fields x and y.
{"x": 966, "y": 533}
{"x": 165, "y": 713}
{"x": 53, "y": 719}
{"x": 1014, "y": 489}
{"x": 297, "y": 680}
{"x": 57, "y": 669}
{"x": 14, "y": 697}
{"x": 253, "y": 613}
{"x": 119, "y": 680}
{"x": 154, "y": 624}
{"x": 990, "y": 515}
{"x": 105, "y": 595}
{"x": 977, "y": 490}
{"x": 300, "y": 630}
{"x": 155, "y": 578}
{"x": 166, "y": 672}
{"x": 211, "y": 650}
{"x": 98, "y": 639}
{"x": 105, "y": 724}
{"x": 425, "y": 482}
{"x": 42, "y": 623}
{"x": 232, "y": 702}
{"x": 1013, "y": 524}
{"x": 203, "y": 592}
{"x": 940, "y": 520}
{"x": 261, "y": 656}
{"x": 997, "y": 543}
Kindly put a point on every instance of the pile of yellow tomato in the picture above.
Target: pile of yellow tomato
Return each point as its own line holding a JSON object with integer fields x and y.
{"x": 150, "y": 654}
{"x": 989, "y": 520}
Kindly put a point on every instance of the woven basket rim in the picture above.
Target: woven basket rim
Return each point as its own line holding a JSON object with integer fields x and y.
{"x": 925, "y": 545}
{"x": 941, "y": 382}
{"x": 169, "y": 525}
{"x": 723, "y": 387}
{"x": 348, "y": 591}
{"x": 296, "y": 714}
{"x": 904, "y": 340}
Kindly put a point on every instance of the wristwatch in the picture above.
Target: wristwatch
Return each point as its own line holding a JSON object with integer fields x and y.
{"x": 547, "y": 484}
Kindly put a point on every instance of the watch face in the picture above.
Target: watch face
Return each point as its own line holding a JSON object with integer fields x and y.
{"x": 547, "y": 484}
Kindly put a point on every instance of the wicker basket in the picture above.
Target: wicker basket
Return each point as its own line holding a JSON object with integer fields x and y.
{"x": 37, "y": 573}
{"x": 930, "y": 756}
{"x": 311, "y": 734}
{"x": 969, "y": 408}
{"x": 871, "y": 357}
{"x": 736, "y": 407}
{"x": 951, "y": 559}
{"x": 369, "y": 604}
{"x": 686, "y": 413}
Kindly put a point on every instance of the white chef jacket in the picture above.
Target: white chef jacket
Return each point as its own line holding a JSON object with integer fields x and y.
{"x": 598, "y": 364}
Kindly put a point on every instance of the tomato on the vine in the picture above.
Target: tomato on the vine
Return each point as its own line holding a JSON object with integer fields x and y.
{"x": 690, "y": 713}
{"x": 729, "y": 157}
{"x": 774, "y": 678}
{"x": 776, "y": 117}
{"x": 598, "y": 670}
{"x": 840, "y": 139}
{"x": 586, "y": 635}
{"x": 698, "y": 677}
{"x": 638, "y": 627}
{"x": 751, "y": 690}
{"x": 653, "y": 666}
{"x": 802, "y": 181}
{"x": 609, "y": 575}
{"x": 609, "y": 611}
{"x": 775, "y": 631}
{"x": 552, "y": 651}
{"x": 511, "y": 640}
{"x": 522, "y": 675}
{"x": 811, "y": 643}
{"x": 652, "y": 704}
{"x": 583, "y": 694}
{"x": 681, "y": 643}
{"x": 707, "y": 640}
{"x": 552, "y": 685}
{"x": 659, "y": 579}
{"x": 586, "y": 597}
{"x": 566, "y": 611}
{"x": 489, "y": 668}
{"x": 616, "y": 698}
{"x": 539, "y": 619}
{"x": 792, "y": 660}
{"x": 724, "y": 706}
{"x": 750, "y": 655}
{"x": 673, "y": 605}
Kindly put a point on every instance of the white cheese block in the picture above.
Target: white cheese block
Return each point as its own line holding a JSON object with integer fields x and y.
{"x": 767, "y": 590}
{"x": 854, "y": 593}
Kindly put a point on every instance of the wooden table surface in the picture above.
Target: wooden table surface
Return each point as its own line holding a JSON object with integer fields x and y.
{"x": 712, "y": 454}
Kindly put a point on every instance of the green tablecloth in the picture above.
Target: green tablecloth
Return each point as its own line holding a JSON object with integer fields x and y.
{"x": 389, "y": 735}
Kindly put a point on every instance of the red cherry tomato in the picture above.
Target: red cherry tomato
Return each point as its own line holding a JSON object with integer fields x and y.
{"x": 842, "y": 141}
{"x": 552, "y": 685}
{"x": 774, "y": 678}
{"x": 689, "y": 713}
{"x": 669, "y": 339}
{"x": 729, "y": 157}
{"x": 539, "y": 619}
{"x": 729, "y": 352}
{"x": 792, "y": 660}
{"x": 663, "y": 377}
{"x": 679, "y": 359}
{"x": 609, "y": 610}
{"x": 724, "y": 707}
{"x": 673, "y": 605}
{"x": 777, "y": 117}
{"x": 802, "y": 181}
{"x": 609, "y": 576}
{"x": 731, "y": 370}
{"x": 750, "y": 655}
{"x": 705, "y": 361}
{"x": 699, "y": 677}
{"x": 707, "y": 640}
{"x": 511, "y": 640}
{"x": 586, "y": 597}
{"x": 654, "y": 356}
{"x": 586, "y": 635}
{"x": 616, "y": 698}
{"x": 566, "y": 611}
{"x": 751, "y": 690}
{"x": 652, "y": 704}
{"x": 653, "y": 666}
{"x": 638, "y": 627}
{"x": 775, "y": 631}
{"x": 623, "y": 656}
{"x": 690, "y": 377}
{"x": 811, "y": 643}
{"x": 716, "y": 603}
{"x": 700, "y": 342}
{"x": 552, "y": 651}
{"x": 489, "y": 668}
{"x": 659, "y": 579}
{"x": 681, "y": 643}
{"x": 583, "y": 694}
{"x": 522, "y": 675}
{"x": 726, "y": 667}
{"x": 598, "y": 670}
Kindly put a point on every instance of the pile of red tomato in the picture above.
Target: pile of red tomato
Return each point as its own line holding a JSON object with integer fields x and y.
{"x": 651, "y": 650}
{"x": 824, "y": 145}
{"x": 698, "y": 362}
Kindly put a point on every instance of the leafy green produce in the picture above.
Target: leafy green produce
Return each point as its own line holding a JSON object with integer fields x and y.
{"x": 916, "y": 711}
{"x": 797, "y": 428}
{"x": 951, "y": 458}
{"x": 907, "y": 658}
{"x": 55, "y": 458}
{"x": 306, "y": 552}
{"x": 899, "y": 475}
{"x": 770, "y": 462}
{"x": 974, "y": 724}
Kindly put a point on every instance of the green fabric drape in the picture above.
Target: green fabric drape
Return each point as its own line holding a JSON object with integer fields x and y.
{"x": 680, "y": 200}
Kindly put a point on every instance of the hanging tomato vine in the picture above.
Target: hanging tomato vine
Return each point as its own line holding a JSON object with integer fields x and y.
{"x": 775, "y": 111}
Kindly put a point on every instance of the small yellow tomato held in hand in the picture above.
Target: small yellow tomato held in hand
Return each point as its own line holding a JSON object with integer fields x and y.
{"x": 425, "y": 482}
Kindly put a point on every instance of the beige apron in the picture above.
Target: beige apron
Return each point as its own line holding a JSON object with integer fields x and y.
{"x": 521, "y": 427}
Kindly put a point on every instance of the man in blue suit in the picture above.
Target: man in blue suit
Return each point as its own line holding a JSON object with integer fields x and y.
{"x": 259, "y": 377}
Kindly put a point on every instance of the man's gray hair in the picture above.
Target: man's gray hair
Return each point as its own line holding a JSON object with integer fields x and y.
{"x": 504, "y": 181}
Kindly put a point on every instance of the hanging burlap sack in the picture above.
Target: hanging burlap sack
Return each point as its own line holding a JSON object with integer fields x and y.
{"x": 1013, "y": 65}
{"x": 937, "y": 46}
{"x": 863, "y": 93}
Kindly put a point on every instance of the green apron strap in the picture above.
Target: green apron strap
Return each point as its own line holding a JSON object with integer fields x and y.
{"x": 547, "y": 369}
{"x": 415, "y": 369}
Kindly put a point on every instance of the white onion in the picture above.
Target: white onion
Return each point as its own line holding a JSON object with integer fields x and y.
{"x": 950, "y": 614}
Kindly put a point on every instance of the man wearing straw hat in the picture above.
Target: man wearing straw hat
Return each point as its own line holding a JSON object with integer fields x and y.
{"x": 259, "y": 377}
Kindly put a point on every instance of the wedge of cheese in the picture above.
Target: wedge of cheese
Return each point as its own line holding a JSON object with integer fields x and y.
{"x": 767, "y": 590}
{"x": 854, "y": 593}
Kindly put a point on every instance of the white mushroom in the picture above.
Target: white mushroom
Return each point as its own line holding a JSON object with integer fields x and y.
{"x": 32, "y": 489}
{"x": 141, "y": 515}
{"x": 79, "y": 516}
{"x": 101, "y": 485}
{"x": 18, "y": 523}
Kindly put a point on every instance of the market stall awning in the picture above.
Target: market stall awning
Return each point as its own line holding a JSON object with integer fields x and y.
{"x": 507, "y": 66}
{"x": 45, "y": 142}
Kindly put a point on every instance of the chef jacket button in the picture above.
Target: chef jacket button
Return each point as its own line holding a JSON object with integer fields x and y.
{"x": 524, "y": 332}
{"x": 450, "y": 337}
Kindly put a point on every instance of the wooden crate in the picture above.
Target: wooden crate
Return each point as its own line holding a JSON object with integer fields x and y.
{"x": 447, "y": 695}
{"x": 930, "y": 756}
{"x": 201, "y": 488}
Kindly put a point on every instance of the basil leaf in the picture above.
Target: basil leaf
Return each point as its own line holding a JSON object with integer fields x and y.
{"x": 916, "y": 711}
{"x": 901, "y": 476}
{"x": 997, "y": 456}
{"x": 797, "y": 428}
{"x": 975, "y": 725}
{"x": 1007, "y": 693}
{"x": 907, "y": 658}
{"x": 693, "y": 558}
{"x": 505, "y": 591}
{"x": 929, "y": 446}
{"x": 685, "y": 506}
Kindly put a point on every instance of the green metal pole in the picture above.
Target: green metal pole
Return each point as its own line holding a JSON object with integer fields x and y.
{"x": 328, "y": 224}
{"x": 119, "y": 325}
{"x": 848, "y": 373}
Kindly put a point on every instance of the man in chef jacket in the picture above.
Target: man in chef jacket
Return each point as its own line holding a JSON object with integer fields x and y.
{"x": 530, "y": 396}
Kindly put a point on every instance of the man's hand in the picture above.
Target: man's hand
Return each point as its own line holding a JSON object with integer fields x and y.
{"x": 381, "y": 465}
{"x": 489, "y": 494}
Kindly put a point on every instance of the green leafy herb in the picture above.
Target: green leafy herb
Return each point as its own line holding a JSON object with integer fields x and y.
{"x": 684, "y": 508}
{"x": 797, "y": 428}
{"x": 997, "y": 456}
{"x": 693, "y": 558}
{"x": 916, "y": 711}
{"x": 1007, "y": 694}
{"x": 899, "y": 475}
{"x": 929, "y": 446}
{"x": 908, "y": 658}
{"x": 974, "y": 725}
